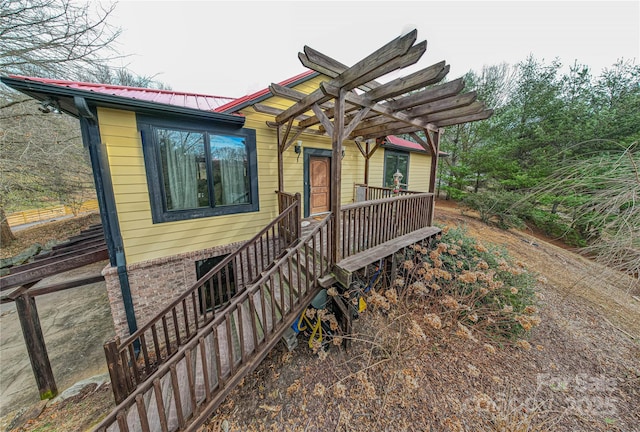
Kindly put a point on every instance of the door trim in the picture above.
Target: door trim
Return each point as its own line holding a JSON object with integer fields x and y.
{"x": 308, "y": 152}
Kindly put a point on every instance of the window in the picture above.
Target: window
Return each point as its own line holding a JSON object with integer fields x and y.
{"x": 218, "y": 291}
{"x": 396, "y": 162}
{"x": 196, "y": 170}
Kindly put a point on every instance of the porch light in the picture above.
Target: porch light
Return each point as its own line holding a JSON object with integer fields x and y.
{"x": 298, "y": 147}
{"x": 343, "y": 153}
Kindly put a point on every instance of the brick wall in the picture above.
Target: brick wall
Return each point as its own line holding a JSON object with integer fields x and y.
{"x": 155, "y": 283}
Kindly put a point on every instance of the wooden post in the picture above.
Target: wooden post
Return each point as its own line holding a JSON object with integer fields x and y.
{"x": 366, "y": 166}
{"x": 30, "y": 323}
{"x": 434, "y": 168}
{"x": 336, "y": 173}
{"x": 280, "y": 163}
{"x": 114, "y": 364}
{"x": 298, "y": 215}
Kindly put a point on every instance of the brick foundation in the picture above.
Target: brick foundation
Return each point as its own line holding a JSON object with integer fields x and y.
{"x": 154, "y": 284}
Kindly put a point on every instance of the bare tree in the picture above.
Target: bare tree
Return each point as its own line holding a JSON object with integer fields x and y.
{"x": 47, "y": 38}
{"x": 54, "y": 37}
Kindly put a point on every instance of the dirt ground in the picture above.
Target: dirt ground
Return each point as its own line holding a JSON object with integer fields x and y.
{"x": 582, "y": 372}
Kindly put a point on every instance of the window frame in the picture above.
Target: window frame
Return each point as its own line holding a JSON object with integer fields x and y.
{"x": 153, "y": 167}
{"x": 384, "y": 173}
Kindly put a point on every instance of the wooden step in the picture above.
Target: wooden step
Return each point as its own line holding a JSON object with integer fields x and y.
{"x": 345, "y": 268}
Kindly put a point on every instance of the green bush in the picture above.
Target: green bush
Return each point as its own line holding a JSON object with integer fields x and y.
{"x": 500, "y": 208}
{"x": 555, "y": 227}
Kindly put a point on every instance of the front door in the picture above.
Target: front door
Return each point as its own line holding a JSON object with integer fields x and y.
{"x": 319, "y": 184}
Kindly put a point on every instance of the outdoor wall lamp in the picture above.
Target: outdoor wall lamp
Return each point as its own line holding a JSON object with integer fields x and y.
{"x": 343, "y": 153}
{"x": 298, "y": 147}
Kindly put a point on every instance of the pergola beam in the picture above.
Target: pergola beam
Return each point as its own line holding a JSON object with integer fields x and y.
{"x": 472, "y": 108}
{"x": 451, "y": 102}
{"x": 373, "y": 63}
{"x": 411, "y": 57}
{"x": 416, "y": 80}
{"x": 266, "y": 109}
{"x": 323, "y": 119}
{"x": 482, "y": 115}
{"x": 428, "y": 95}
{"x": 329, "y": 67}
{"x": 379, "y": 108}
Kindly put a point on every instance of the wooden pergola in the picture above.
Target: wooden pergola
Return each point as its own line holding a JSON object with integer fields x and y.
{"x": 354, "y": 106}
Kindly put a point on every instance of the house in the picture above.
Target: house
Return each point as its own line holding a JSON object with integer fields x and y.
{"x": 201, "y": 198}
{"x": 158, "y": 241}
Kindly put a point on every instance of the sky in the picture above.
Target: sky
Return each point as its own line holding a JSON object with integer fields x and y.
{"x": 236, "y": 48}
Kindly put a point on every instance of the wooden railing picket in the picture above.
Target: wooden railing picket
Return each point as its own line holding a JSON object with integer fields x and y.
{"x": 370, "y": 223}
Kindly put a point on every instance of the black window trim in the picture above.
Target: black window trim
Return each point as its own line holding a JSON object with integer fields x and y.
{"x": 151, "y": 153}
{"x": 384, "y": 172}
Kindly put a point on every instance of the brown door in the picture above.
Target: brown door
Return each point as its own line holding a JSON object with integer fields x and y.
{"x": 319, "y": 175}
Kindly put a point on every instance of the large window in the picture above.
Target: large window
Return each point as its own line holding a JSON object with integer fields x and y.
{"x": 396, "y": 162}
{"x": 195, "y": 170}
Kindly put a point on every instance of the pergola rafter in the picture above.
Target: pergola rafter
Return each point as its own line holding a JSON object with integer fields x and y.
{"x": 412, "y": 104}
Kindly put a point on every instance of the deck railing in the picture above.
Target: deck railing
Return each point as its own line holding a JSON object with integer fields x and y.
{"x": 291, "y": 225}
{"x": 131, "y": 361}
{"x": 183, "y": 392}
{"x": 370, "y": 223}
{"x": 375, "y": 193}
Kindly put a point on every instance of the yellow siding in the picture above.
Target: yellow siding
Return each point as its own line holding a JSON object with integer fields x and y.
{"x": 376, "y": 168}
{"x": 419, "y": 171}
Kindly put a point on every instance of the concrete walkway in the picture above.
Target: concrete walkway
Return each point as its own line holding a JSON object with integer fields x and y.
{"x": 75, "y": 322}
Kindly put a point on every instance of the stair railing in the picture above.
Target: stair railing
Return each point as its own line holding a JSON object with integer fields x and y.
{"x": 131, "y": 361}
{"x": 184, "y": 391}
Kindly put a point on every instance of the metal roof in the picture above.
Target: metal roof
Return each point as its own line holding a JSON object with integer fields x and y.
{"x": 168, "y": 97}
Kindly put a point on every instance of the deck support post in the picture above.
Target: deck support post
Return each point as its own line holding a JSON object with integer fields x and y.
{"x": 336, "y": 174}
{"x": 34, "y": 339}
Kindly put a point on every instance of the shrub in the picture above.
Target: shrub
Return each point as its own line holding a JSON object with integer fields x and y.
{"x": 554, "y": 226}
{"x": 502, "y": 208}
{"x": 470, "y": 288}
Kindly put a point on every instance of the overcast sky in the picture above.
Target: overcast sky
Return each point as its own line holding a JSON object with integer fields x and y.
{"x": 235, "y": 48}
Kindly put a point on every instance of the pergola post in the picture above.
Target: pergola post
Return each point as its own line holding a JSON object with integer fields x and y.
{"x": 280, "y": 162}
{"x": 336, "y": 174}
{"x": 366, "y": 165}
{"x": 434, "y": 169}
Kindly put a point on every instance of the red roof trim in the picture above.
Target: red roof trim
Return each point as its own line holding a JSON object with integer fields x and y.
{"x": 409, "y": 145}
{"x": 257, "y": 95}
{"x": 400, "y": 142}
